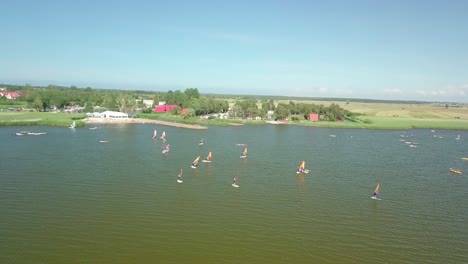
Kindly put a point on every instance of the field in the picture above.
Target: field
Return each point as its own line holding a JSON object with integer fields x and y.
{"x": 374, "y": 115}
{"x": 40, "y": 119}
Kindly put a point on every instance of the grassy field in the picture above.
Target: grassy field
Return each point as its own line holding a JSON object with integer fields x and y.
{"x": 40, "y": 119}
{"x": 374, "y": 116}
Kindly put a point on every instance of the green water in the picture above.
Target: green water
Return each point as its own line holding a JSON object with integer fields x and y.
{"x": 66, "y": 198}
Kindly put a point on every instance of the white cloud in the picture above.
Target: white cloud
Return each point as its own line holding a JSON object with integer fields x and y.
{"x": 323, "y": 90}
{"x": 392, "y": 91}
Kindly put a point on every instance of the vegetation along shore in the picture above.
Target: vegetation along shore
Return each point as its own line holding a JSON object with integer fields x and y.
{"x": 59, "y": 106}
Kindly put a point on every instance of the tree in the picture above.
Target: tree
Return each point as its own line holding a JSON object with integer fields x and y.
{"x": 37, "y": 103}
{"x": 282, "y": 111}
{"x": 156, "y": 99}
{"x": 189, "y": 113}
{"x": 192, "y": 93}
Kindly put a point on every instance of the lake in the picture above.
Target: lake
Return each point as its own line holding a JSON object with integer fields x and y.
{"x": 66, "y": 198}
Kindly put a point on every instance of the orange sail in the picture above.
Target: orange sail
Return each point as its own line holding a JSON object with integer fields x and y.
{"x": 209, "y": 156}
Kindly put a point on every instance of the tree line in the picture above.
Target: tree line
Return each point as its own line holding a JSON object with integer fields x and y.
{"x": 43, "y": 98}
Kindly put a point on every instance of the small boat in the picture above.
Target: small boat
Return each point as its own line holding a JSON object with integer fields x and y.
{"x": 155, "y": 134}
{"x": 166, "y": 149}
{"x": 73, "y": 124}
{"x": 234, "y": 183}
{"x": 28, "y": 133}
{"x": 21, "y": 133}
{"x": 195, "y": 163}
{"x": 37, "y": 133}
{"x": 201, "y": 142}
{"x": 244, "y": 153}
{"x": 208, "y": 158}
{"x": 332, "y": 135}
{"x": 464, "y": 158}
{"x": 103, "y": 141}
{"x": 179, "y": 177}
{"x": 375, "y": 195}
{"x": 455, "y": 171}
{"x": 92, "y": 128}
{"x": 301, "y": 168}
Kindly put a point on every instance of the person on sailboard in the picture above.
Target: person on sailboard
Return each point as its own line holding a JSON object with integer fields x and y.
{"x": 375, "y": 194}
{"x": 179, "y": 177}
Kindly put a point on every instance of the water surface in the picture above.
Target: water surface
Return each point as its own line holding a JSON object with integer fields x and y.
{"x": 66, "y": 198}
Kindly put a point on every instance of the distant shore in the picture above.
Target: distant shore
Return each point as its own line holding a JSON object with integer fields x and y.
{"x": 98, "y": 120}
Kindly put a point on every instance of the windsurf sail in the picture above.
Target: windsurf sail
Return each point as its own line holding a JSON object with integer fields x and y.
{"x": 73, "y": 124}
{"x": 244, "y": 153}
{"x": 302, "y": 165}
{"x": 209, "y": 156}
{"x": 201, "y": 141}
{"x": 163, "y": 135}
{"x": 377, "y": 190}
{"x": 195, "y": 162}
{"x": 166, "y": 148}
{"x": 155, "y": 133}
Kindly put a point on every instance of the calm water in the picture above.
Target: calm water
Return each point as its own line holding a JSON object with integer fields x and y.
{"x": 66, "y": 198}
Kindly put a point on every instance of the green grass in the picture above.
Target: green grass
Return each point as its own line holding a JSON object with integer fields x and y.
{"x": 40, "y": 119}
{"x": 372, "y": 122}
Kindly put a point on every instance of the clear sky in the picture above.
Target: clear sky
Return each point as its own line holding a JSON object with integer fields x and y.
{"x": 408, "y": 50}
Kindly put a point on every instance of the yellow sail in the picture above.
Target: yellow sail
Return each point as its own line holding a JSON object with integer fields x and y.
{"x": 196, "y": 160}
{"x": 302, "y": 166}
{"x": 377, "y": 189}
{"x": 245, "y": 151}
{"x": 209, "y": 156}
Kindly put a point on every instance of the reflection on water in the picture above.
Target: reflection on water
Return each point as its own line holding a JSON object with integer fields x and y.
{"x": 68, "y": 198}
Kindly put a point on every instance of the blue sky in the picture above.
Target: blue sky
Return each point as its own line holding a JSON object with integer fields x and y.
{"x": 408, "y": 50}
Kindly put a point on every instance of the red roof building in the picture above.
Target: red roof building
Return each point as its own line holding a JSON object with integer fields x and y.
{"x": 313, "y": 117}
{"x": 10, "y": 95}
{"x": 164, "y": 108}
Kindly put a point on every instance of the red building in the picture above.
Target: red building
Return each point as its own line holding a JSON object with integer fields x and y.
{"x": 313, "y": 117}
{"x": 164, "y": 108}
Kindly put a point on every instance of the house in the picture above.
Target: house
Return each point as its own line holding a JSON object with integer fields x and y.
{"x": 270, "y": 113}
{"x": 164, "y": 108}
{"x": 9, "y": 95}
{"x": 313, "y": 117}
{"x": 113, "y": 115}
{"x": 147, "y": 103}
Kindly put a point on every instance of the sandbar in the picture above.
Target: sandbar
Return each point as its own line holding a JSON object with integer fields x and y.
{"x": 99, "y": 120}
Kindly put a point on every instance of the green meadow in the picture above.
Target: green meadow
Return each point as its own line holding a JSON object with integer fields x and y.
{"x": 40, "y": 119}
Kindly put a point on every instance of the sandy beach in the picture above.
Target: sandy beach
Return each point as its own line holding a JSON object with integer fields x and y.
{"x": 98, "y": 120}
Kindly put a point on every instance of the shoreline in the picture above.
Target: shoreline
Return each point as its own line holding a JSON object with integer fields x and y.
{"x": 99, "y": 120}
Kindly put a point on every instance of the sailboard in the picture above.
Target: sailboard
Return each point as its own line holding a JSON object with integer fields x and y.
{"x": 166, "y": 149}
{"x": 201, "y": 142}
{"x": 208, "y": 158}
{"x": 455, "y": 171}
{"x": 179, "y": 177}
{"x": 301, "y": 168}
{"x": 376, "y": 194}
{"x": 195, "y": 163}
{"x": 244, "y": 153}
{"x": 234, "y": 183}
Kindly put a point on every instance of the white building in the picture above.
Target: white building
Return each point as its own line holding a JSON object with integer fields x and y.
{"x": 113, "y": 115}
